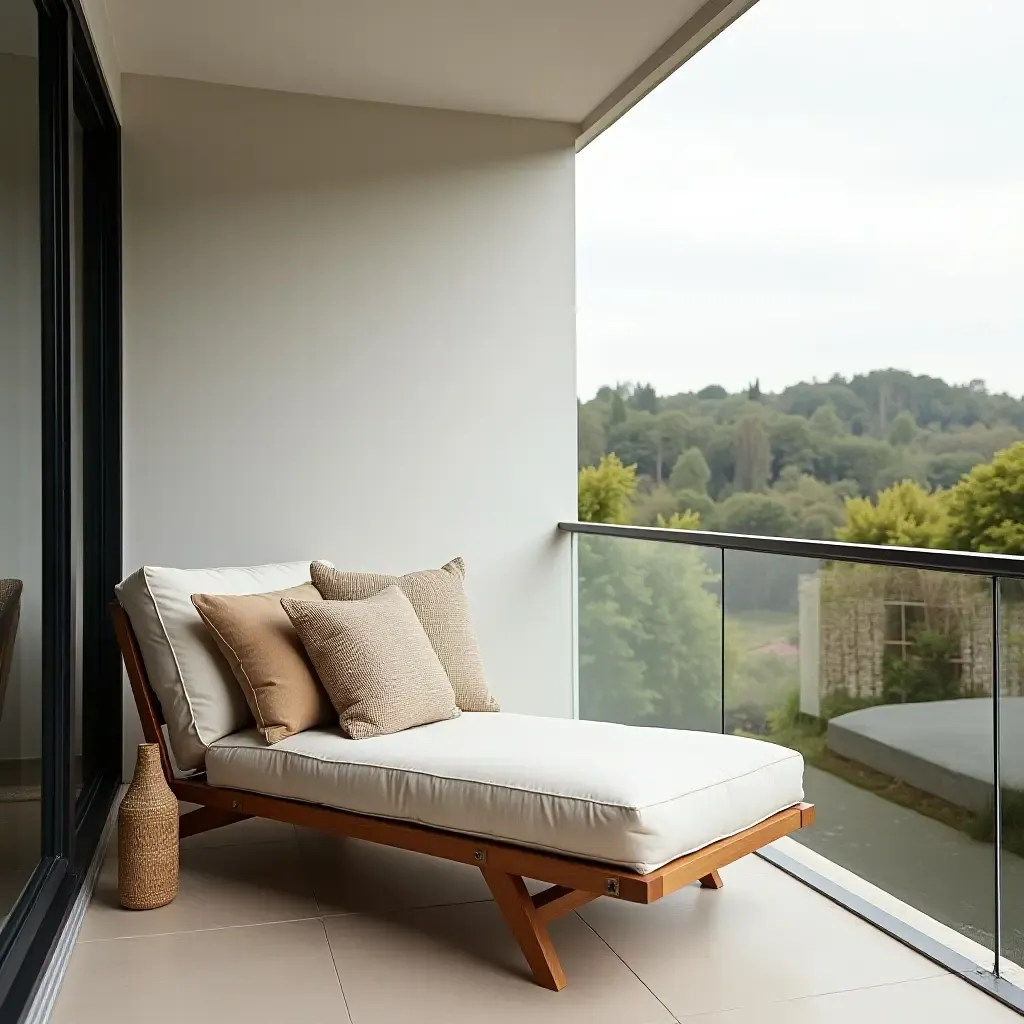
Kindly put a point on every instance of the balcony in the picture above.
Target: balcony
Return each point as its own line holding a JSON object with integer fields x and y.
{"x": 349, "y": 248}
{"x": 907, "y": 887}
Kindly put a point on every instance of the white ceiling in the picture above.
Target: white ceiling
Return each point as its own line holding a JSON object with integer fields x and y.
{"x": 552, "y": 59}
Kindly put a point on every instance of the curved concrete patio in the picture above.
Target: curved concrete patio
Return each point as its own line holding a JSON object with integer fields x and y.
{"x": 941, "y": 747}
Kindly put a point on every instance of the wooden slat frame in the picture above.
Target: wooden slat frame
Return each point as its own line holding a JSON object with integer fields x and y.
{"x": 573, "y": 882}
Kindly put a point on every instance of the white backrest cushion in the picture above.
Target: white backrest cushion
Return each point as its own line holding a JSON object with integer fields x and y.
{"x": 198, "y": 694}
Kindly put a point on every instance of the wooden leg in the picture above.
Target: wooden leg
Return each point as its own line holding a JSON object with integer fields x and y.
{"x": 205, "y": 818}
{"x": 712, "y": 881}
{"x": 524, "y": 921}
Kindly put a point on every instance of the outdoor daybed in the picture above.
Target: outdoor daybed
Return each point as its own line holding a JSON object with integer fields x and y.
{"x": 592, "y": 808}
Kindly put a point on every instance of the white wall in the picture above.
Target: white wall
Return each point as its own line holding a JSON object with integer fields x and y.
{"x": 350, "y": 334}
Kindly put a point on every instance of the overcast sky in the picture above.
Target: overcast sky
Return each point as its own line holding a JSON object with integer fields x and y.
{"x": 827, "y": 187}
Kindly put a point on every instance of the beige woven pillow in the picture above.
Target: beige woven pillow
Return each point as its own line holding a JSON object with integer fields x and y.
{"x": 439, "y": 599}
{"x": 267, "y": 658}
{"x": 375, "y": 661}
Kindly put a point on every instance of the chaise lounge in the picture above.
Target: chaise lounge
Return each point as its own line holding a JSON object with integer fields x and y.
{"x": 594, "y": 809}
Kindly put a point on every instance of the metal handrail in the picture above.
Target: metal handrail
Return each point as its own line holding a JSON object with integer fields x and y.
{"x": 969, "y": 562}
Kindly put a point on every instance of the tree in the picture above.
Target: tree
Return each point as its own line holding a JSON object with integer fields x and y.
{"x": 903, "y": 430}
{"x": 721, "y": 457}
{"x": 658, "y": 503}
{"x": 856, "y": 458}
{"x": 691, "y": 472}
{"x": 618, "y": 414}
{"x": 590, "y": 435}
{"x": 650, "y": 635}
{"x": 636, "y": 441}
{"x": 825, "y": 422}
{"x": 693, "y": 501}
{"x": 805, "y": 399}
{"x": 712, "y": 392}
{"x": 754, "y": 391}
{"x": 606, "y": 491}
{"x": 753, "y": 455}
{"x": 905, "y": 514}
{"x": 669, "y": 437}
{"x": 644, "y": 399}
{"x": 792, "y": 444}
{"x": 986, "y": 509}
{"x": 947, "y": 470}
{"x": 687, "y": 520}
{"x": 760, "y": 514}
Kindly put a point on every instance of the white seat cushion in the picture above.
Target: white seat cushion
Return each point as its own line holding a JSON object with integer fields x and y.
{"x": 198, "y": 694}
{"x": 618, "y": 794}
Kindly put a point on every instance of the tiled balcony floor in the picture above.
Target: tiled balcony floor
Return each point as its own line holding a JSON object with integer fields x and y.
{"x": 273, "y": 924}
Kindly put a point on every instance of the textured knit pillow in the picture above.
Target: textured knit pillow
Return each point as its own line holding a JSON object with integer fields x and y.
{"x": 439, "y": 599}
{"x": 375, "y": 661}
{"x": 267, "y": 658}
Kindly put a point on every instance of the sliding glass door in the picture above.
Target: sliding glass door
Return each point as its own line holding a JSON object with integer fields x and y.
{"x": 21, "y": 584}
{"x": 60, "y": 683}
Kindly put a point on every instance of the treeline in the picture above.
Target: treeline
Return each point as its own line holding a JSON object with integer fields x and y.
{"x": 785, "y": 464}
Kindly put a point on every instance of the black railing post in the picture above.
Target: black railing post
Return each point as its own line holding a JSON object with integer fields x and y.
{"x": 997, "y": 790}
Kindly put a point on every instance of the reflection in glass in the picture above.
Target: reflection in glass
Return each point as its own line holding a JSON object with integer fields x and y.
{"x": 1011, "y": 733}
{"x": 20, "y": 453}
{"x": 650, "y": 633}
{"x": 882, "y": 678}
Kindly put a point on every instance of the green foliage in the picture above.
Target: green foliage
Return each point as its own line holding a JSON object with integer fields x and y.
{"x": 650, "y": 635}
{"x": 825, "y": 422}
{"x": 928, "y": 672}
{"x": 657, "y": 503}
{"x": 691, "y": 472}
{"x": 944, "y": 471}
{"x": 693, "y": 501}
{"x": 686, "y": 520}
{"x": 903, "y": 429}
{"x": 792, "y": 443}
{"x": 814, "y": 445}
{"x": 618, "y": 411}
{"x": 986, "y": 509}
{"x": 753, "y": 455}
{"x": 606, "y": 490}
{"x": 856, "y": 458}
{"x": 905, "y": 514}
{"x": 905, "y": 466}
{"x": 643, "y": 399}
{"x": 806, "y": 399}
{"x": 590, "y": 436}
{"x": 762, "y": 514}
{"x": 670, "y": 430}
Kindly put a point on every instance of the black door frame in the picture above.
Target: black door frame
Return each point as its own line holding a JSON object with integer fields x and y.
{"x": 71, "y": 84}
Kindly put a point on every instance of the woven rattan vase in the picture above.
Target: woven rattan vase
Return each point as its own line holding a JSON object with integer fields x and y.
{"x": 147, "y": 837}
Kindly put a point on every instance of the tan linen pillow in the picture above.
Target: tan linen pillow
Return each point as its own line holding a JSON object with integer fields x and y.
{"x": 375, "y": 662}
{"x": 255, "y": 635}
{"x": 439, "y": 599}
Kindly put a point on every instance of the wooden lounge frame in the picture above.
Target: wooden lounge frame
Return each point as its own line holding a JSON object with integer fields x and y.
{"x": 572, "y": 882}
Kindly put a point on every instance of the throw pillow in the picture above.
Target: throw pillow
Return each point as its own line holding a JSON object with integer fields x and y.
{"x": 439, "y": 599}
{"x": 375, "y": 661}
{"x": 255, "y": 635}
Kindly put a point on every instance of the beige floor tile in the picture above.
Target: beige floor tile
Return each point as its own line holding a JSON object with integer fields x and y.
{"x": 935, "y": 1000}
{"x": 348, "y": 875}
{"x": 459, "y": 963}
{"x": 264, "y": 974}
{"x": 219, "y": 887}
{"x": 766, "y": 938}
